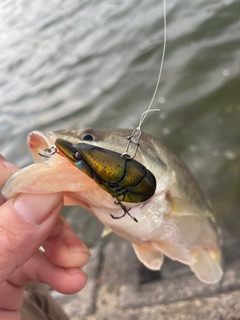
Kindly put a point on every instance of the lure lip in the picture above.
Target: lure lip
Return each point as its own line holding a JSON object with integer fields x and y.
{"x": 63, "y": 144}
{"x": 65, "y": 148}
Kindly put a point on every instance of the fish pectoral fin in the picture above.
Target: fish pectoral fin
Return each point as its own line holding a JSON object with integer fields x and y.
{"x": 207, "y": 269}
{"x": 175, "y": 252}
{"x": 106, "y": 231}
{"x": 151, "y": 257}
{"x": 181, "y": 207}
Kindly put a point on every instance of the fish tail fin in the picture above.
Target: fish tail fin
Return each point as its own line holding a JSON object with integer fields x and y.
{"x": 208, "y": 266}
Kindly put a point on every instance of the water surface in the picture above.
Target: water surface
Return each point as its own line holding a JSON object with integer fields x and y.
{"x": 71, "y": 64}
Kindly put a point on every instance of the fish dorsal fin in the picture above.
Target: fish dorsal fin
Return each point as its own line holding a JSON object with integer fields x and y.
{"x": 175, "y": 252}
{"x": 148, "y": 255}
{"x": 206, "y": 269}
{"x": 106, "y": 231}
{"x": 181, "y": 207}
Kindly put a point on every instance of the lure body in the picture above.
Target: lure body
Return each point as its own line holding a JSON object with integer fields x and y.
{"x": 175, "y": 221}
{"x": 124, "y": 179}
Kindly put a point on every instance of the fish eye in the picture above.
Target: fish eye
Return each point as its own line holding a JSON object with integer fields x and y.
{"x": 77, "y": 155}
{"x": 89, "y": 135}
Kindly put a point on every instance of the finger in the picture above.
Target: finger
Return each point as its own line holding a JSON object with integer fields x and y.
{"x": 10, "y": 315}
{"x": 25, "y": 223}
{"x": 65, "y": 249}
{"x": 7, "y": 169}
{"x": 11, "y": 296}
{"x": 39, "y": 268}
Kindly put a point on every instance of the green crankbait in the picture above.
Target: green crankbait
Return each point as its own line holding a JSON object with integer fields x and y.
{"x": 124, "y": 179}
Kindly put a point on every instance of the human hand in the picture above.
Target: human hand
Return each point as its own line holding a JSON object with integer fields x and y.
{"x": 26, "y": 223}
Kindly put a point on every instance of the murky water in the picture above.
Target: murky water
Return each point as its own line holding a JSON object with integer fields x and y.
{"x": 72, "y": 64}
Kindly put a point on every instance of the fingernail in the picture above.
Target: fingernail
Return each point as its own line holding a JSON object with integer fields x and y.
{"x": 74, "y": 270}
{"x": 36, "y": 208}
{"x": 72, "y": 242}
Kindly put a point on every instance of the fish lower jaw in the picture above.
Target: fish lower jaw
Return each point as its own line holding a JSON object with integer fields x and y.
{"x": 37, "y": 142}
{"x": 36, "y": 138}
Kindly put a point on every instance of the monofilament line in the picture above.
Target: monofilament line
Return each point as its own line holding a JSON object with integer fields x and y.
{"x": 135, "y": 137}
{"x": 144, "y": 114}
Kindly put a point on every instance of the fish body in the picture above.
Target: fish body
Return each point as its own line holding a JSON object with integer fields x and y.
{"x": 176, "y": 221}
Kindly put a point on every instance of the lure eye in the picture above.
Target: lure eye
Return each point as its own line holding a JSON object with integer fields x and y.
{"x": 77, "y": 155}
{"x": 89, "y": 135}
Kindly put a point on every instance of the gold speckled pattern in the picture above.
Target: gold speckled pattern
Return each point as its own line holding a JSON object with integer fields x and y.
{"x": 125, "y": 180}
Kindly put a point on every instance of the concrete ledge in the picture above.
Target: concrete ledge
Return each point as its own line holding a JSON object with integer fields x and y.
{"x": 119, "y": 287}
{"x": 219, "y": 307}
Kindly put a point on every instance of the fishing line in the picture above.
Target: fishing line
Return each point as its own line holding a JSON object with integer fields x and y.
{"x": 137, "y": 131}
{"x": 144, "y": 114}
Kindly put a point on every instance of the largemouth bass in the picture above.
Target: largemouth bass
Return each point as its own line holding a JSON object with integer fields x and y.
{"x": 176, "y": 221}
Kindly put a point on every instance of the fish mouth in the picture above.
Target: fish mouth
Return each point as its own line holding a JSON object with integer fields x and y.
{"x": 38, "y": 142}
{"x": 52, "y": 173}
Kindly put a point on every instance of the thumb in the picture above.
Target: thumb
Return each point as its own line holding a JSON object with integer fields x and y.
{"x": 25, "y": 222}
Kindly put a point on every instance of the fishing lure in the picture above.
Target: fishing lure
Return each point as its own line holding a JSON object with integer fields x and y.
{"x": 125, "y": 179}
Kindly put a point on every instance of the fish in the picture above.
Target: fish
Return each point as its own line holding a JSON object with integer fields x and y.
{"x": 176, "y": 221}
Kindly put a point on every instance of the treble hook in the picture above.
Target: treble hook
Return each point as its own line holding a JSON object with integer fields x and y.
{"x": 137, "y": 133}
{"x": 125, "y": 211}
